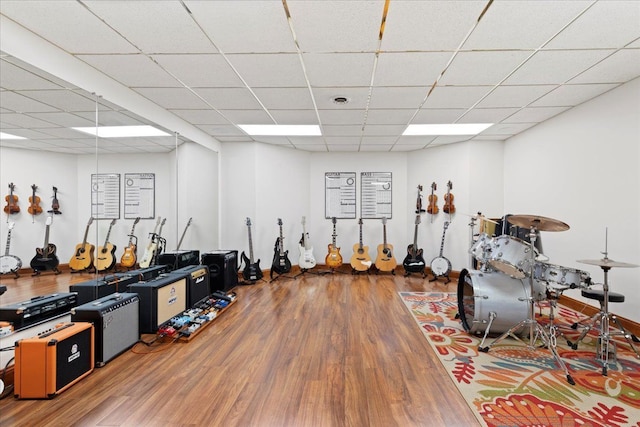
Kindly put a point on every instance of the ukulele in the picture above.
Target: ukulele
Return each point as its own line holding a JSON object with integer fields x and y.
{"x": 45, "y": 258}
{"x": 448, "y": 200}
{"x": 34, "y": 202}
{"x": 441, "y": 266}
{"x": 360, "y": 261}
{"x": 151, "y": 250}
{"x": 385, "y": 261}
{"x": 55, "y": 205}
{"x": 419, "y": 209}
{"x": 183, "y": 233}
{"x": 83, "y": 255}
{"x": 252, "y": 271}
{"x": 281, "y": 263}
{"x": 10, "y": 263}
{"x": 433, "y": 200}
{"x": 333, "y": 258}
{"x": 414, "y": 262}
{"x": 105, "y": 255}
{"x": 129, "y": 256}
{"x": 306, "y": 260}
{"x": 12, "y": 201}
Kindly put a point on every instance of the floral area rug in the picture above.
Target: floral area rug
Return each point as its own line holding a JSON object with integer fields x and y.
{"x": 513, "y": 385}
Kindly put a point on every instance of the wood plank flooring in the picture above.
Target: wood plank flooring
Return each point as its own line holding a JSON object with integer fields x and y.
{"x": 320, "y": 350}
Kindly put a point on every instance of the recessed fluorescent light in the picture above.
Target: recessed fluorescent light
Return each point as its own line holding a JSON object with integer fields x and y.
{"x": 122, "y": 131}
{"x": 282, "y": 130}
{"x": 9, "y": 136}
{"x": 447, "y": 129}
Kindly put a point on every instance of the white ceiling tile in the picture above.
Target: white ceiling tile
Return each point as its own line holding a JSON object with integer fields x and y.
{"x": 17, "y": 121}
{"x": 255, "y": 117}
{"x": 384, "y": 130}
{"x": 531, "y": 115}
{"x": 571, "y": 95}
{"x": 481, "y": 138}
{"x": 65, "y": 100}
{"x": 397, "y": 97}
{"x": 222, "y": 130}
{"x": 343, "y": 147}
{"x": 131, "y": 70}
{"x": 276, "y": 140}
{"x": 507, "y": 128}
{"x": 376, "y": 148}
{"x": 13, "y": 77}
{"x": 438, "y": 115}
{"x": 246, "y": 27}
{"x": 489, "y": 68}
{"x": 32, "y": 134}
{"x": 634, "y": 44}
{"x": 234, "y": 139}
{"x": 307, "y": 140}
{"x": 294, "y": 117}
{"x": 389, "y": 116}
{"x": 379, "y": 140}
{"x": 112, "y": 118}
{"x": 357, "y": 97}
{"x": 24, "y": 102}
{"x": 201, "y": 117}
{"x": 487, "y": 115}
{"x": 269, "y": 70}
{"x": 341, "y": 130}
{"x": 415, "y": 140}
{"x": 410, "y": 68}
{"x": 622, "y": 66}
{"x": 352, "y": 140}
{"x": 401, "y": 148}
{"x": 514, "y": 96}
{"x": 342, "y": 117}
{"x": 339, "y": 69}
{"x": 455, "y": 96}
{"x": 285, "y": 98}
{"x": 172, "y": 98}
{"x": 315, "y": 147}
{"x": 64, "y": 119}
{"x": 205, "y": 70}
{"x": 443, "y": 140}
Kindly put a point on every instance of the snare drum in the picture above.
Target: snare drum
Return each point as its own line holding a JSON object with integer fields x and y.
{"x": 560, "y": 277}
{"x": 482, "y": 294}
{"x": 511, "y": 256}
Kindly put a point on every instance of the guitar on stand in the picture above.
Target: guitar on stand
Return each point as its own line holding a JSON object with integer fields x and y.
{"x": 307, "y": 260}
{"x": 333, "y": 259}
{"x": 414, "y": 261}
{"x": 360, "y": 261}
{"x": 105, "y": 255}
{"x": 419, "y": 208}
{"x": 385, "y": 261}
{"x": 251, "y": 271}
{"x": 83, "y": 255}
{"x": 151, "y": 250}
{"x": 129, "y": 257}
{"x": 10, "y": 263}
{"x": 45, "y": 258}
{"x": 281, "y": 263}
{"x": 55, "y": 204}
{"x": 183, "y": 233}
{"x": 441, "y": 266}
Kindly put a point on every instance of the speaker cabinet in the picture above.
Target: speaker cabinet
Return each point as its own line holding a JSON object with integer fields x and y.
{"x": 160, "y": 299}
{"x": 223, "y": 269}
{"x": 198, "y": 282}
{"x": 178, "y": 259}
{"x": 97, "y": 288}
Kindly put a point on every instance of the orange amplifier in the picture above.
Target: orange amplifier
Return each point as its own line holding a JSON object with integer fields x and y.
{"x": 53, "y": 361}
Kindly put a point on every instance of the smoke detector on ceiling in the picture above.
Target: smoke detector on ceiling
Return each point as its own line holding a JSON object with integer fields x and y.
{"x": 340, "y": 100}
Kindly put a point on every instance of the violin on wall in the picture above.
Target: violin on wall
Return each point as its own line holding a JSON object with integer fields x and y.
{"x": 12, "y": 201}
{"x": 448, "y": 200}
{"x": 34, "y": 202}
{"x": 432, "y": 208}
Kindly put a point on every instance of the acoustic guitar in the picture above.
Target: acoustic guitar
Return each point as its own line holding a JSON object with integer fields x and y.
{"x": 385, "y": 260}
{"x": 333, "y": 258}
{"x": 360, "y": 260}
{"x": 82, "y": 258}
{"x": 251, "y": 271}
{"x": 45, "y": 258}
{"x": 12, "y": 201}
{"x": 10, "y": 263}
{"x": 151, "y": 251}
{"x": 414, "y": 261}
{"x": 281, "y": 263}
{"x": 307, "y": 260}
{"x": 130, "y": 254}
{"x": 105, "y": 255}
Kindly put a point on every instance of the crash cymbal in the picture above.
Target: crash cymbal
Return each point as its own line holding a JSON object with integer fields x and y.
{"x": 606, "y": 262}
{"x": 540, "y": 223}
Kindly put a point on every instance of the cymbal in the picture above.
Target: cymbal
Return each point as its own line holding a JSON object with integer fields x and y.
{"x": 540, "y": 223}
{"x": 606, "y": 262}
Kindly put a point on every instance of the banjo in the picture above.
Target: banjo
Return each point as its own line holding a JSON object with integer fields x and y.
{"x": 441, "y": 266}
{"x": 9, "y": 263}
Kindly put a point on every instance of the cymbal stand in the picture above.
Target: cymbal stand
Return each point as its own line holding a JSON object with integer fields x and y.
{"x": 472, "y": 225}
{"x": 536, "y": 330}
{"x": 554, "y": 331}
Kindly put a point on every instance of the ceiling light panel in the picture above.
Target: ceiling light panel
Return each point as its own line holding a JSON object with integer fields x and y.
{"x": 8, "y": 136}
{"x": 122, "y": 131}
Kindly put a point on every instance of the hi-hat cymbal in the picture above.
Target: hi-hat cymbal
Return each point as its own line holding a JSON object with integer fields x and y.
{"x": 540, "y": 223}
{"x": 606, "y": 262}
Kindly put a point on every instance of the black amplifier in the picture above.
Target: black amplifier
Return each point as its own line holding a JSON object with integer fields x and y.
{"x": 160, "y": 299}
{"x": 37, "y": 309}
{"x": 223, "y": 269}
{"x": 115, "y": 318}
{"x": 98, "y": 288}
{"x": 178, "y": 259}
{"x": 198, "y": 282}
{"x": 144, "y": 274}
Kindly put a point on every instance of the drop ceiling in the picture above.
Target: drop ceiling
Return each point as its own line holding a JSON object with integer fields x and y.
{"x": 212, "y": 65}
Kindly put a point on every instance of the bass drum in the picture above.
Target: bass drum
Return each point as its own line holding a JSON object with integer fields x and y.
{"x": 482, "y": 295}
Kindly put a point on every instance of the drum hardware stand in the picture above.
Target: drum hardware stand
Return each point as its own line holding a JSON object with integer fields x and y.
{"x": 535, "y": 329}
{"x": 492, "y": 316}
{"x": 554, "y": 331}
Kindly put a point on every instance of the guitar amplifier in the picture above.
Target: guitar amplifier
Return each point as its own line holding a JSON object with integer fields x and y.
{"x": 37, "y": 309}
{"x": 144, "y": 274}
{"x": 160, "y": 299}
{"x": 178, "y": 259}
{"x": 223, "y": 269}
{"x": 51, "y": 362}
{"x": 198, "y": 282}
{"x": 115, "y": 318}
{"x": 97, "y": 288}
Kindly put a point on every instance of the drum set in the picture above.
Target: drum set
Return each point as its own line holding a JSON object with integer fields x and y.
{"x": 511, "y": 275}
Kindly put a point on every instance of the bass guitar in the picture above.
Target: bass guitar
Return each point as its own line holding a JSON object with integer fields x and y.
{"x": 385, "y": 260}
{"x": 441, "y": 266}
{"x": 34, "y": 202}
{"x": 46, "y": 258}
{"x": 360, "y": 261}
{"x": 105, "y": 255}
{"x": 12, "y": 201}
{"x": 55, "y": 204}
{"x": 333, "y": 258}
{"x": 414, "y": 262}
{"x": 183, "y": 233}
{"x": 152, "y": 247}
{"x": 83, "y": 255}
{"x": 281, "y": 263}
{"x": 251, "y": 271}
{"x": 307, "y": 259}
{"x": 10, "y": 263}
{"x": 130, "y": 254}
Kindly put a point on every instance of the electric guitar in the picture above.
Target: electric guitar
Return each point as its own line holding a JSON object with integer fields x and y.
{"x": 441, "y": 266}
{"x": 306, "y": 260}
{"x": 83, "y": 255}
{"x": 281, "y": 263}
{"x": 152, "y": 246}
{"x": 385, "y": 260}
{"x": 183, "y": 233}
{"x": 10, "y": 263}
{"x": 360, "y": 261}
{"x": 333, "y": 258}
{"x": 105, "y": 255}
{"x": 414, "y": 262}
{"x": 130, "y": 256}
{"x": 252, "y": 271}
{"x": 46, "y": 258}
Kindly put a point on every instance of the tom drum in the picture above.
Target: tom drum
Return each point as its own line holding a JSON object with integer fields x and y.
{"x": 511, "y": 256}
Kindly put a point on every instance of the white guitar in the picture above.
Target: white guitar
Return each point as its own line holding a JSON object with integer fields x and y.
{"x": 306, "y": 260}
{"x": 152, "y": 247}
{"x": 10, "y": 263}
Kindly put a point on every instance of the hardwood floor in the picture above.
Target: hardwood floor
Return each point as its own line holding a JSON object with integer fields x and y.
{"x": 320, "y": 350}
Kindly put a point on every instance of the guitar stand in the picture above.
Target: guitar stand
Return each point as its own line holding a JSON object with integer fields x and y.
{"x": 37, "y": 272}
{"x": 435, "y": 278}
{"x": 303, "y": 271}
{"x": 273, "y": 279}
{"x": 354, "y": 271}
{"x": 409, "y": 273}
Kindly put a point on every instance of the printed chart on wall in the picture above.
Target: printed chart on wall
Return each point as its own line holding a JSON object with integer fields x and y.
{"x": 340, "y": 194}
{"x": 105, "y": 195}
{"x": 375, "y": 195}
{"x": 139, "y": 195}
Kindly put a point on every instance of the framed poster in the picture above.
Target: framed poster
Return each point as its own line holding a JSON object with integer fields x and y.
{"x": 375, "y": 194}
{"x": 105, "y": 196}
{"x": 340, "y": 194}
{"x": 139, "y": 195}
